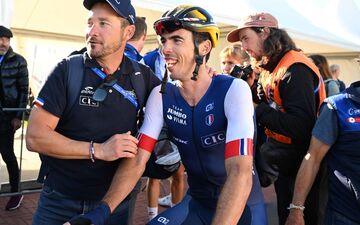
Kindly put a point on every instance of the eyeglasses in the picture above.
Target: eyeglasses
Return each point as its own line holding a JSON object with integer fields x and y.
{"x": 101, "y": 92}
{"x": 167, "y": 25}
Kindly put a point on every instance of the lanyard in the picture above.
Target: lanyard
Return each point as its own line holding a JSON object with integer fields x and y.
{"x": 1, "y": 58}
{"x": 117, "y": 87}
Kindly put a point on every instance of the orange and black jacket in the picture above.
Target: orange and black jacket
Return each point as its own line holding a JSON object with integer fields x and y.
{"x": 294, "y": 90}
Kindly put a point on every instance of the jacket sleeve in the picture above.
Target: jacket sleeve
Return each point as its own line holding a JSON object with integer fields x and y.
{"x": 22, "y": 85}
{"x": 298, "y": 99}
{"x": 333, "y": 88}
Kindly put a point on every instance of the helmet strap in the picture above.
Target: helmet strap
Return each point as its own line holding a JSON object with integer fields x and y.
{"x": 198, "y": 60}
{"x": 164, "y": 81}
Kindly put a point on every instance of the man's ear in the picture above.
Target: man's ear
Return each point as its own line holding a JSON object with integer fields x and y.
{"x": 205, "y": 47}
{"x": 265, "y": 33}
{"x": 144, "y": 36}
{"x": 129, "y": 32}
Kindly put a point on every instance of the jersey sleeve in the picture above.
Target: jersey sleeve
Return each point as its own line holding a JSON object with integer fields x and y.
{"x": 153, "y": 121}
{"x": 239, "y": 111}
{"x": 326, "y": 127}
{"x": 52, "y": 96}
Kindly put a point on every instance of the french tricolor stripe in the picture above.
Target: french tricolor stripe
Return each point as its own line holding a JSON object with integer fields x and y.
{"x": 39, "y": 102}
{"x": 145, "y": 142}
{"x": 353, "y": 120}
{"x": 239, "y": 147}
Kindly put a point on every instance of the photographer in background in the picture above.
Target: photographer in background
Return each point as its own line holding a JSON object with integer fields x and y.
{"x": 236, "y": 63}
{"x": 232, "y": 56}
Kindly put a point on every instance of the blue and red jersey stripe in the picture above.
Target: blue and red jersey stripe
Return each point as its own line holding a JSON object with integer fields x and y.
{"x": 239, "y": 147}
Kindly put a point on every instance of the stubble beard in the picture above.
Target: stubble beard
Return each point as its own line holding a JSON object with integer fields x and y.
{"x": 3, "y": 52}
{"x": 104, "y": 50}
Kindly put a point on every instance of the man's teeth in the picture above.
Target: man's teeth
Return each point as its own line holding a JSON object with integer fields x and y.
{"x": 170, "y": 63}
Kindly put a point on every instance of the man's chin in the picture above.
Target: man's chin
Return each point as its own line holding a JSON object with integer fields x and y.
{"x": 94, "y": 54}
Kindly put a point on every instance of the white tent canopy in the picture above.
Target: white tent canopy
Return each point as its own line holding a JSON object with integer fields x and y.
{"x": 6, "y": 10}
{"x": 334, "y": 22}
{"x": 45, "y": 30}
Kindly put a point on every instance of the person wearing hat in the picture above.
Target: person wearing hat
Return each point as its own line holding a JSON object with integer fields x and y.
{"x": 14, "y": 85}
{"x": 83, "y": 142}
{"x": 291, "y": 91}
{"x": 209, "y": 118}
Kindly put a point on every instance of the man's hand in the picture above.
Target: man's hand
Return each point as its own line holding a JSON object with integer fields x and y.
{"x": 16, "y": 123}
{"x": 117, "y": 146}
{"x": 296, "y": 217}
{"x": 96, "y": 217}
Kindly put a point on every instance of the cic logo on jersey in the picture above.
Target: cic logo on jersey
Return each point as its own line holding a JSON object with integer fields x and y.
{"x": 213, "y": 139}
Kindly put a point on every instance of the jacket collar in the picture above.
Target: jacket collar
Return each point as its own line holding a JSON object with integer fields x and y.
{"x": 354, "y": 91}
{"x": 125, "y": 65}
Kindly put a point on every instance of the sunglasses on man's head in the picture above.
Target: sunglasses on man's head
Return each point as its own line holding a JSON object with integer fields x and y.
{"x": 101, "y": 92}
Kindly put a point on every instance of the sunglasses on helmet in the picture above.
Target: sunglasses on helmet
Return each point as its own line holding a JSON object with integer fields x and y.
{"x": 173, "y": 24}
{"x": 166, "y": 25}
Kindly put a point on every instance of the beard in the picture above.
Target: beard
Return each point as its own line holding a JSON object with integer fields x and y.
{"x": 3, "y": 50}
{"x": 102, "y": 50}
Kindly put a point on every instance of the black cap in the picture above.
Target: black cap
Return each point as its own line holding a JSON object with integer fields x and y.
{"x": 5, "y": 32}
{"x": 121, "y": 7}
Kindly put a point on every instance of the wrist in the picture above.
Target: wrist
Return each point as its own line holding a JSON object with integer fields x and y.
{"x": 97, "y": 216}
{"x": 100, "y": 214}
{"x": 92, "y": 151}
{"x": 97, "y": 151}
{"x": 298, "y": 207}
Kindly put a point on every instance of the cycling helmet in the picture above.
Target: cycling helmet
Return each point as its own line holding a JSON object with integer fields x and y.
{"x": 189, "y": 17}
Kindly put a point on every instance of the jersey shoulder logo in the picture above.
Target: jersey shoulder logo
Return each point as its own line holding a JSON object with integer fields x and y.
{"x": 209, "y": 107}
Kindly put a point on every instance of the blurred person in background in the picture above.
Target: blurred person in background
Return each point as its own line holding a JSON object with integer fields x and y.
{"x": 14, "y": 89}
{"x": 136, "y": 43}
{"x": 335, "y": 72}
{"x": 332, "y": 86}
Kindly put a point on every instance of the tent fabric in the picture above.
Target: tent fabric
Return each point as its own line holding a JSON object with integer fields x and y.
{"x": 331, "y": 21}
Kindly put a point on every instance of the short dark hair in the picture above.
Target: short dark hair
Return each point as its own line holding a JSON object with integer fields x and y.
{"x": 140, "y": 28}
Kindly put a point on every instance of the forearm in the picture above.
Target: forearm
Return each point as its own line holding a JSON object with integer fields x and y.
{"x": 309, "y": 169}
{"x": 41, "y": 137}
{"x": 305, "y": 179}
{"x": 51, "y": 143}
{"x": 233, "y": 197}
{"x": 22, "y": 86}
{"x": 125, "y": 178}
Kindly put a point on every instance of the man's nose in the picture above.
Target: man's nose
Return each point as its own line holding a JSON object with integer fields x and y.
{"x": 92, "y": 30}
